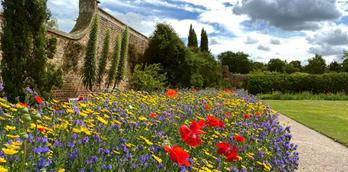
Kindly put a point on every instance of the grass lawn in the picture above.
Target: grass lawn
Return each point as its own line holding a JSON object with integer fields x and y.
{"x": 327, "y": 117}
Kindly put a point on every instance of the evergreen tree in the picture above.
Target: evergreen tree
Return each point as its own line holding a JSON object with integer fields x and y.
{"x": 115, "y": 60}
{"x": 204, "y": 41}
{"x": 122, "y": 66}
{"x": 192, "y": 38}
{"x": 103, "y": 58}
{"x": 89, "y": 68}
{"x": 24, "y": 54}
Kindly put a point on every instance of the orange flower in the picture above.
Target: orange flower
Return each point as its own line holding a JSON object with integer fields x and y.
{"x": 257, "y": 114}
{"x": 239, "y": 138}
{"x": 23, "y": 105}
{"x": 228, "y": 114}
{"x": 152, "y": 115}
{"x": 246, "y": 116}
{"x": 171, "y": 93}
{"x": 41, "y": 129}
{"x": 207, "y": 107}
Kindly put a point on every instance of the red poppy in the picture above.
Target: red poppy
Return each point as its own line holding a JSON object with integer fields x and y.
{"x": 152, "y": 115}
{"x": 215, "y": 122}
{"x": 38, "y": 99}
{"x": 41, "y": 129}
{"x": 239, "y": 138}
{"x": 257, "y": 114}
{"x": 191, "y": 135}
{"x": 228, "y": 114}
{"x": 231, "y": 152}
{"x": 207, "y": 107}
{"x": 80, "y": 98}
{"x": 171, "y": 93}
{"x": 178, "y": 155}
{"x": 246, "y": 116}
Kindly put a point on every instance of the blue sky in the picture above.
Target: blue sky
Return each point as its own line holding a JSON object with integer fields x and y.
{"x": 265, "y": 29}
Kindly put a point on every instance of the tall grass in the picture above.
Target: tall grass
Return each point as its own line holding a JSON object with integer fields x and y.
{"x": 303, "y": 96}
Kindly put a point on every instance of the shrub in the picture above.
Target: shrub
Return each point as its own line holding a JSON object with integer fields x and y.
{"x": 298, "y": 82}
{"x": 148, "y": 79}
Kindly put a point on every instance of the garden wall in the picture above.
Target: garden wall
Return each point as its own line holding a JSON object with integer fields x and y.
{"x": 70, "y": 46}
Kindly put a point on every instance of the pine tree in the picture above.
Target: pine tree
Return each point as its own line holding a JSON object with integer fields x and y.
{"x": 103, "y": 58}
{"x": 24, "y": 54}
{"x": 115, "y": 60}
{"x": 122, "y": 66}
{"x": 192, "y": 38}
{"x": 89, "y": 68}
{"x": 204, "y": 41}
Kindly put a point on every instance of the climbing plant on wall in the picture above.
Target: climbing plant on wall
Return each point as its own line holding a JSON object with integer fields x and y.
{"x": 89, "y": 68}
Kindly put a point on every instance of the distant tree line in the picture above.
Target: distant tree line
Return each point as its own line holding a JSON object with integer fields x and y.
{"x": 241, "y": 63}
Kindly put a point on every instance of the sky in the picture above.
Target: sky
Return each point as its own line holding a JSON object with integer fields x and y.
{"x": 264, "y": 29}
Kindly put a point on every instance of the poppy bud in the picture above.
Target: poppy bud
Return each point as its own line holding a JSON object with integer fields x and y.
{"x": 26, "y": 117}
{"x": 37, "y": 116}
{"x": 23, "y": 110}
{"x": 24, "y": 135}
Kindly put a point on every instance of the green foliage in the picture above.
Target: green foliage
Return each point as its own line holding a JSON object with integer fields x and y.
{"x": 335, "y": 67}
{"x": 303, "y": 96}
{"x": 72, "y": 53}
{"x": 103, "y": 58}
{"x": 316, "y": 65}
{"x": 115, "y": 60}
{"x": 298, "y": 82}
{"x": 203, "y": 69}
{"x": 345, "y": 65}
{"x": 25, "y": 50}
{"x": 167, "y": 49}
{"x": 148, "y": 79}
{"x": 89, "y": 68}
{"x": 122, "y": 65}
{"x": 237, "y": 62}
{"x": 204, "y": 41}
{"x": 258, "y": 67}
{"x": 192, "y": 38}
{"x": 276, "y": 65}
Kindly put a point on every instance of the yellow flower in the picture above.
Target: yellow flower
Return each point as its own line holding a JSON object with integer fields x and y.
{"x": 3, "y": 169}
{"x": 146, "y": 141}
{"x": 142, "y": 118}
{"x": 17, "y": 143}
{"x": 159, "y": 160}
{"x": 10, "y": 128}
{"x": 2, "y": 160}
{"x": 61, "y": 170}
{"x": 12, "y": 136}
{"x": 9, "y": 151}
{"x": 100, "y": 119}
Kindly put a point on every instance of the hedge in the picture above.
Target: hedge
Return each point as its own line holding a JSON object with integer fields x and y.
{"x": 298, "y": 82}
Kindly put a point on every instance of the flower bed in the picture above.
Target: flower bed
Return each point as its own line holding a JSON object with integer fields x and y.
{"x": 136, "y": 131}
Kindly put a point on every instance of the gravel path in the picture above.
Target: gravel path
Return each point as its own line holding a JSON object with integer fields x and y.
{"x": 318, "y": 153}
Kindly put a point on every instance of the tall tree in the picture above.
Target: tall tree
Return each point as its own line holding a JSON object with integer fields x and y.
{"x": 316, "y": 65}
{"x": 115, "y": 60}
{"x": 276, "y": 65}
{"x": 165, "y": 47}
{"x": 237, "y": 62}
{"x": 335, "y": 66}
{"x": 89, "y": 68}
{"x": 122, "y": 66}
{"x": 204, "y": 41}
{"x": 103, "y": 58}
{"x": 192, "y": 38}
{"x": 24, "y": 53}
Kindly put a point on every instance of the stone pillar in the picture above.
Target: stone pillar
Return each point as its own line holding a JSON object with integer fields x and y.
{"x": 87, "y": 10}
